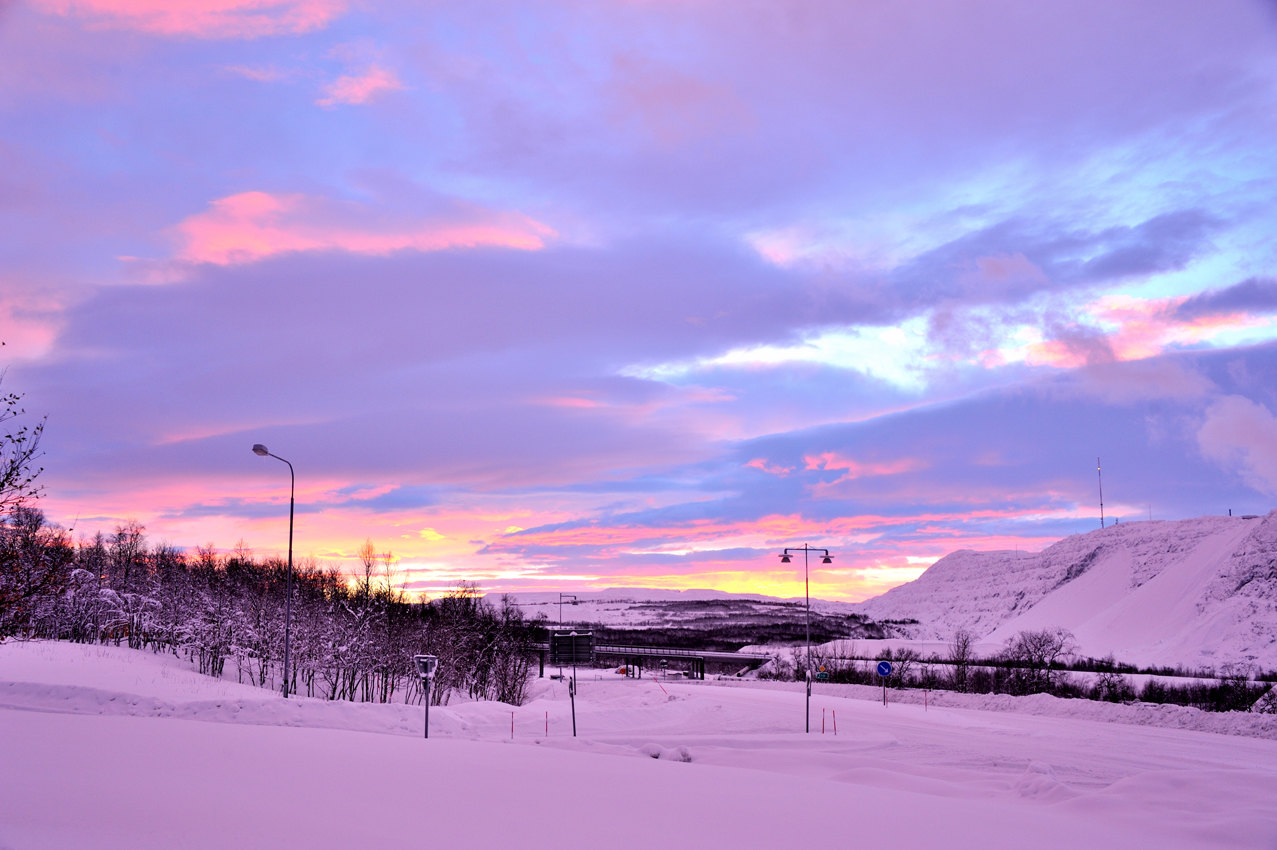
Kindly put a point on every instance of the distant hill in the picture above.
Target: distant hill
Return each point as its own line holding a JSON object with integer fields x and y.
{"x": 708, "y": 619}
{"x": 1193, "y": 592}
{"x": 647, "y": 606}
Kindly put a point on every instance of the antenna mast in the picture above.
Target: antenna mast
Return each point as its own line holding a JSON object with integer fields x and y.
{"x": 1099, "y": 474}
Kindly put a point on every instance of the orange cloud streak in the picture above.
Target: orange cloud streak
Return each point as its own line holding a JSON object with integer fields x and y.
{"x": 769, "y": 531}
{"x": 359, "y": 88}
{"x": 201, "y": 18}
{"x": 1140, "y": 329}
{"x": 253, "y": 225}
{"x": 833, "y": 461}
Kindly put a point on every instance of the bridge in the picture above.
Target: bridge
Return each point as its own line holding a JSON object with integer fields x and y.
{"x": 634, "y": 657}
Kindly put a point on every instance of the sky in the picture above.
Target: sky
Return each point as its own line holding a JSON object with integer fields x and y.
{"x": 571, "y": 295}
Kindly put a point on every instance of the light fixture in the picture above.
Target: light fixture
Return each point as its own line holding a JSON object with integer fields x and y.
{"x": 262, "y": 451}
{"x": 827, "y": 559}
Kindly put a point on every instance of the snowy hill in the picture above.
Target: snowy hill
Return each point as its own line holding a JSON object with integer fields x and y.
{"x": 1193, "y": 592}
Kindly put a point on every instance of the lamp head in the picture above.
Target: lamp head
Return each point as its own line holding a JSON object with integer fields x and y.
{"x": 784, "y": 559}
{"x": 828, "y": 559}
{"x": 259, "y": 449}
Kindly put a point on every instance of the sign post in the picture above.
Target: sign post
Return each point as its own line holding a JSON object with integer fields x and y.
{"x": 572, "y": 697}
{"x": 884, "y": 671}
{"x": 426, "y": 665}
{"x": 809, "y": 699}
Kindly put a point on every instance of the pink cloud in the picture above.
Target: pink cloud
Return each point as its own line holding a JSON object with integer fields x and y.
{"x": 1148, "y": 327}
{"x": 1004, "y": 273}
{"x": 31, "y": 311}
{"x": 261, "y": 75}
{"x": 253, "y": 225}
{"x": 763, "y": 465}
{"x": 202, "y": 18}
{"x": 1123, "y": 328}
{"x": 359, "y": 88}
{"x": 832, "y": 461}
{"x": 1241, "y": 434}
{"x": 1155, "y": 378}
{"x": 573, "y": 402}
{"x": 674, "y": 107}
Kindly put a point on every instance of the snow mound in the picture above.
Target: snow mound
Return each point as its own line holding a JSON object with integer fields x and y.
{"x": 667, "y": 753}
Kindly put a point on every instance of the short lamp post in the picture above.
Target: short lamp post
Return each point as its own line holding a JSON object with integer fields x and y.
{"x": 259, "y": 449}
{"x": 426, "y": 666}
{"x": 825, "y": 559}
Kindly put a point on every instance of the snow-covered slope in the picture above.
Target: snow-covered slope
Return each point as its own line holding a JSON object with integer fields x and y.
{"x": 105, "y": 748}
{"x": 1194, "y": 592}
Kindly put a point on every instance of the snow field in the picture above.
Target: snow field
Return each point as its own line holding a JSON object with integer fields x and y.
{"x": 147, "y": 754}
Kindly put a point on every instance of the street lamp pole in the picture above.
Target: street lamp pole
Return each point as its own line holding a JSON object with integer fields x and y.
{"x": 259, "y": 449}
{"x": 825, "y": 559}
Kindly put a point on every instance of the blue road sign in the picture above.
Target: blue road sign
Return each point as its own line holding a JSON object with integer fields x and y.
{"x": 884, "y": 669}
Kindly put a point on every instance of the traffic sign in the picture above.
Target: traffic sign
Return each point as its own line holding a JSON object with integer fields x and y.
{"x": 884, "y": 669}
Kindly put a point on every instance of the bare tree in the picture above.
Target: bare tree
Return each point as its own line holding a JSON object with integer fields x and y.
{"x": 35, "y": 566}
{"x": 19, "y": 450}
{"x": 1033, "y": 656}
{"x": 960, "y": 655}
{"x": 903, "y": 660}
{"x": 1111, "y": 686}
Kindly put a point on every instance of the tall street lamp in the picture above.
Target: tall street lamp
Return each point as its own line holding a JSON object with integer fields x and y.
{"x": 826, "y": 559}
{"x": 259, "y": 449}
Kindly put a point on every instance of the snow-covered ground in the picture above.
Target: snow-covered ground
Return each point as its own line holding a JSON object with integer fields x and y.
{"x": 108, "y": 748}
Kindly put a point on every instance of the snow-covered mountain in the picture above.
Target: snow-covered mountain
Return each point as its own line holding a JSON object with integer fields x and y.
{"x": 1193, "y": 592}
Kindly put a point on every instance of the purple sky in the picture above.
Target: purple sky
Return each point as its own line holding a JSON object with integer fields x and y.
{"x": 565, "y": 295}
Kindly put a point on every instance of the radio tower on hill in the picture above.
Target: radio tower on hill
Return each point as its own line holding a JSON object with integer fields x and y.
{"x": 1100, "y": 475}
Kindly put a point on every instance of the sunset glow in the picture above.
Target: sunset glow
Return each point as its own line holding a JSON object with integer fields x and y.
{"x": 546, "y": 299}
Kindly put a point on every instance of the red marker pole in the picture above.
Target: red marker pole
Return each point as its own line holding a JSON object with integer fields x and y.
{"x": 512, "y": 726}
{"x": 547, "y": 724}
{"x": 822, "y": 721}
{"x": 835, "y": 714}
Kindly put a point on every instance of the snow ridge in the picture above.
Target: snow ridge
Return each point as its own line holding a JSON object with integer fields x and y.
{"x": 1196, "y": 592}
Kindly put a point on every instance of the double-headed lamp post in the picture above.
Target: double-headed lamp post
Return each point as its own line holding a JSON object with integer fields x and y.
{"x": 259, "y": 449}
{"x": 825, "y": 559}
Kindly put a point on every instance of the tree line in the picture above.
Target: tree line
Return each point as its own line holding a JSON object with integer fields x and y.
{"x": 350, "y": 639}
{"x": 1031, "y": 662}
